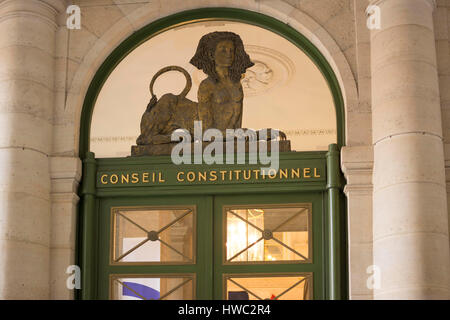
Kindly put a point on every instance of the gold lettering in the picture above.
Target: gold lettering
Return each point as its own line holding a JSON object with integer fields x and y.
{"x": 178, "y": 176}
{"x": 238, "y": 172}
{"x": 153, "y": 177}
{"x": 247, "y": 177}
{"x": 104, "y": 181}
{"x": 283, "y": 173}
{"x": 230, "y": 174}
{"x": 223, "y": 175}
{"x": 202, "y": 176}
{"x": 272, "y": 173}
{"x": 134, "y": 178}
{"x": 256, "y": 172}
{"x": 190, "y": 176}
{"x": 307, "y": 173}
{"x": 145, "y": 177}
{"x": 213, "y": 176}
{"x": 316, "y": 175}
{"x": 125, "y": 178}
{"x": 160, "y": 177}
{"x": 114, "y": 179}
{"x": 296, "y": 173}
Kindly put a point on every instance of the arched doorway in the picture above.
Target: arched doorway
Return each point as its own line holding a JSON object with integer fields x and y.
{"x": 151, "y": 229}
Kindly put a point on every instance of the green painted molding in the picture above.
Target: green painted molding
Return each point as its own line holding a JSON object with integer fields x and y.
{"x": 336, "y": 228}
{"x": 231, "y": 14}
{"x": 89, "y": 173}
{"x": 333, "y": 168}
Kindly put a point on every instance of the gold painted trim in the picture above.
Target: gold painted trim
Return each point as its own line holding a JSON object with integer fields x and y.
{"x": 308, "y": 275}
{"x": 112, "y": 255}
{"x": 191, "y": 276}
{"x": 307, "y": 205}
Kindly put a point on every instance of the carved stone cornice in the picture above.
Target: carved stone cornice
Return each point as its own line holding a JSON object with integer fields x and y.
{"x": 65, "y": 174}
{"x": 357, "y": 165}
{"x": 432, "y": 3}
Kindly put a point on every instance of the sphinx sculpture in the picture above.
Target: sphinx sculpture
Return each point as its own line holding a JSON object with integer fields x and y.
{"x": 221, "y": 56}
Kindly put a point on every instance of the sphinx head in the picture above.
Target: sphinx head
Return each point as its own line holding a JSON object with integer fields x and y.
{"x": 222, "y": 48}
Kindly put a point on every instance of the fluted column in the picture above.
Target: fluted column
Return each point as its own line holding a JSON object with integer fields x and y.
{"x": 27, "y": 44}
{"x": 411, "y": 245}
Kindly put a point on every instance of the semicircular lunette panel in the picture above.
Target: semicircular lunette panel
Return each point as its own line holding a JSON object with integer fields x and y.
{"x": 272, "y": 68}
{"x": 283, "y": 90}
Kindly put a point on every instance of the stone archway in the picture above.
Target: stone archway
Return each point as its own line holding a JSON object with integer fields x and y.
{"x": 137, "y": 19}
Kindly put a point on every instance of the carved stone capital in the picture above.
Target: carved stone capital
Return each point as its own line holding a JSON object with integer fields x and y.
{"x": 47, "y": 10}
{"x": 59, "y": 5}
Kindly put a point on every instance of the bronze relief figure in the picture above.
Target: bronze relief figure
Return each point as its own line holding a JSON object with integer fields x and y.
{"x": 163, "y": 117}
{"x": 221, "y": 56}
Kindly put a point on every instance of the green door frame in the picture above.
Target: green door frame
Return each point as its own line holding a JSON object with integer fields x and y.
{"x": 98, "y": 188}
{"x": 203, "y": 223}
{"x": 314, "y": 266}
{"x": 90, "y": 194}
{"x": 208, "y": 267}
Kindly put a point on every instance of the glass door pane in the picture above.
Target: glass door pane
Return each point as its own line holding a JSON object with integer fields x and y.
{"x": 269, "y": 233}
{"x": 153, "y": 235}
{"x": 268, "y": 287}
{"x": 152, "y": 287}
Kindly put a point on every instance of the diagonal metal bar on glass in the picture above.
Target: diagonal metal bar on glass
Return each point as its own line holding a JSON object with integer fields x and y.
{"x": 170, "y": 247}
{"x": 123, "y": 284}
{"x": 253, "y": 294}
{"x": 290, "y": 288}
{"x": 174, "y": 221}
{"x": 131, "y": 250}
{"x": 174, "y": 289}
{"x": 145, "y": 240}
{"x": 305, "y": 290}
{"x": 136, "y": 224}
{"x": 289, "y": 248}
{"x": 248, "y": 247}
{"x": 289, "y": 219}
{"x": 273, "y": 238}
{"x": 246, "y": 221}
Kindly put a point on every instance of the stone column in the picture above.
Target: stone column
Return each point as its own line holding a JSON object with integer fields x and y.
{"x": 410, "y": 230}
{"x": 27, "y": 44}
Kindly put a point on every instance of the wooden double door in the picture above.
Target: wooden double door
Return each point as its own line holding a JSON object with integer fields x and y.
{"x": 236, "y": 247}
